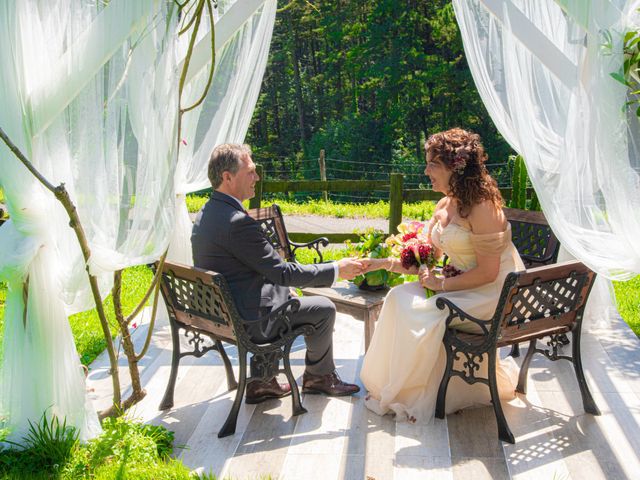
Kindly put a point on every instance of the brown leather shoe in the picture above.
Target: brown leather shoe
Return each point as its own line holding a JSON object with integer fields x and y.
{"x": 329, "y": 384}
{"x": 258, "y": 391}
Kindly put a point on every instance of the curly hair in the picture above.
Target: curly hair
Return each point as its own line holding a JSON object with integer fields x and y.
{"x": 462, "y": 153}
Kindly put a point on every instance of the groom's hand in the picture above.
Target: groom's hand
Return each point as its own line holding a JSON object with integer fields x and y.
{"x": 349, "y": 268}
{"x": 371, "y": 264}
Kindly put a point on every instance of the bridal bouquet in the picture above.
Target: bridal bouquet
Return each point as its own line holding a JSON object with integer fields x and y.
{"x": 413, "y": 249}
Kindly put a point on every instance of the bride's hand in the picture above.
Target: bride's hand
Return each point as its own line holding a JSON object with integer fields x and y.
{"x": 424, "y": 272}
{"x": 430, "y": 281}
{"x": 371, "y": 264}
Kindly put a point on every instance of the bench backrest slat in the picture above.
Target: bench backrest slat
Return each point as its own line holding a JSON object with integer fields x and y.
{"x": 544, "y": 299}
{"x": 532, "y": 236}
{"x": 272, "y": 224}
{"x": 199, "y": 298}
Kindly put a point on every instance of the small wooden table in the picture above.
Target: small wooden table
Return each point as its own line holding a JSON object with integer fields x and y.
{"x": 361, "y": 304}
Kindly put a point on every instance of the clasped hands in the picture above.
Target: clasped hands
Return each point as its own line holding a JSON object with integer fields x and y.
{"x": 349, "y": 268}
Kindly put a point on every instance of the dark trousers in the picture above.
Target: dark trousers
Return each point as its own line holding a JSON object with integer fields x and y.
{"x": 321, "y": 313}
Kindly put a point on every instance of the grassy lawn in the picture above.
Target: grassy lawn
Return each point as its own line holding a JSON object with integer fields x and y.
{"x": 628, "y": 302}
{"x": 85, "y": 326}
{"x": 380, "y": 209}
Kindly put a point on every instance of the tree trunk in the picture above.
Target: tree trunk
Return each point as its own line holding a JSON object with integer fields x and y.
{"x": 298, "y": 95}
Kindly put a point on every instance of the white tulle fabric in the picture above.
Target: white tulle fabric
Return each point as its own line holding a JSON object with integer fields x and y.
{"x": 543, "y": 71}
{"x": 224, "y": 117}
{"x": 88, "y": 92}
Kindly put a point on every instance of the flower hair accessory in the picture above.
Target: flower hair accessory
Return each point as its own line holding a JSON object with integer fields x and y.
{"x": 459, "y": 163}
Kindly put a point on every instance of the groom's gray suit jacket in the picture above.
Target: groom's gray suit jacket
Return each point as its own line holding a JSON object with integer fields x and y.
{"x": 227, "y": 240}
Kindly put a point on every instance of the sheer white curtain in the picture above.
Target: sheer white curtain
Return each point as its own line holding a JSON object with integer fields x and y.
{"x": 243, "y": 36}
{"x": 88, "y": 91}
{"x": 543, "y": 71}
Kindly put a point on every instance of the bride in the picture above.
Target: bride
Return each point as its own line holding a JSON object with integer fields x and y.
{"x": 406, "y": 360}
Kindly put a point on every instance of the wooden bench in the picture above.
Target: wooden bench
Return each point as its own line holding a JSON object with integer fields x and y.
{"x": 541, "y": 302}
{"x": 533, "y": 238}
{"x": 200, "y": 304}
{"x": 272, "y": 223}
{"x": 536, "y": 243}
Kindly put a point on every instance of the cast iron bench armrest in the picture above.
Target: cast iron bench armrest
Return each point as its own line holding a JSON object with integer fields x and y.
{"x": 456, "y": 312}
{"x": 539, "y": 261}
{"x": 312, "y": 245}
{"x": 282, "y": 314}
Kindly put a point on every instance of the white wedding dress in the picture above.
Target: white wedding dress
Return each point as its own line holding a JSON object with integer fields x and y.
{"x": 406, "y": 359}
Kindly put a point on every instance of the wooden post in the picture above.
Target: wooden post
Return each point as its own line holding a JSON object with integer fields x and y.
{"x": 323, "y": 173}
{"x": 257, "y": 199}
{"x": 395, "y": 201}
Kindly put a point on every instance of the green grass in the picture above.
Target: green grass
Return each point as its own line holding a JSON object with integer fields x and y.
{"x": 628, "y": 302}
{"x": 380, "y": 209}
{"x": 126, "y": 449}
{"x": 85, "y": 326}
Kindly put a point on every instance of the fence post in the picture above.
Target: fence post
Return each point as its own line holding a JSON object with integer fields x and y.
{"x": 323, "y": 173}
{"x": 257, "y": 199}
{"x": 395, "y": 201}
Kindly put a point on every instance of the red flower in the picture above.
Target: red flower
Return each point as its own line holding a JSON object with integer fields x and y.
{"x": 449, "y": 271}
{"x": 408, "y": 236}
{"x": 407, "y": 258}
{"x": 418, "y": 254}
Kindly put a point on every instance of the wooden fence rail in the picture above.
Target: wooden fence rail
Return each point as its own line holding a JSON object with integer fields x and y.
{"x": 397, "y": 196}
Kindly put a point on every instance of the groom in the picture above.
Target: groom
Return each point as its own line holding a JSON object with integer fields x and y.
{"x": 226, "y": 239}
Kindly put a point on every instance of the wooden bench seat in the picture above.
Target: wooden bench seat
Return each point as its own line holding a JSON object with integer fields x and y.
{"x": 542, "y": 302}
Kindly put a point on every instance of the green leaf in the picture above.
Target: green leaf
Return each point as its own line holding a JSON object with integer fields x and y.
{"x": 628, "y": 36}
{"x": 620, "y": 78}
{"x": 376, "y": 277}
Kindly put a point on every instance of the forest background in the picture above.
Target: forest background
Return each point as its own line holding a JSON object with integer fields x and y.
{"x": 368, "y": 82}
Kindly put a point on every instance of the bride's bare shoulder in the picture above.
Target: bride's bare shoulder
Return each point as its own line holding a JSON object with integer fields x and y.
{"x": 486, "y": 218}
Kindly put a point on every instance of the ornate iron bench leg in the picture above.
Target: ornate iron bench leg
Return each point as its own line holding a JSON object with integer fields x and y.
{"x": 297, "y": 407}
{"x": 504, "y": 432}
{"x": 515, "y": 350}
{"x": 522, "y": 377}
{"x": 167, "y": 400}
{"x": 231, "y": 379}
{"x": 444, "y": 383}
{"x": 229, "y": 427}
{"x": 587, "y": 400}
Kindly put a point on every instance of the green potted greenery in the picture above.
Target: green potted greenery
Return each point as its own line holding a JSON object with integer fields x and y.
{"x": 372, "y": 244}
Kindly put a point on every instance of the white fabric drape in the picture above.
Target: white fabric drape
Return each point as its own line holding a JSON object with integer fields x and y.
{"x": 88, "y": 92}
{"x": 543, "y": 71}
{"x": 226, "y": 112}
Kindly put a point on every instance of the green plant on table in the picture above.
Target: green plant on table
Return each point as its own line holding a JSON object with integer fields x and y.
{"x": 372, "y": 245}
